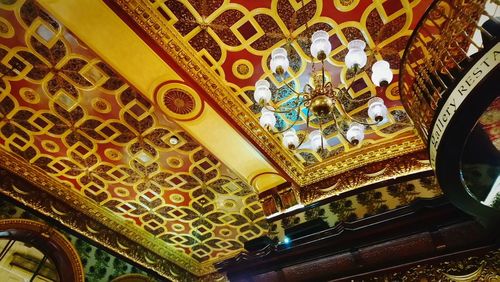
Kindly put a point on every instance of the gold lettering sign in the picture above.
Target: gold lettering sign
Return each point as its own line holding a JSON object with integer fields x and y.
{"x": 482, "y": 67}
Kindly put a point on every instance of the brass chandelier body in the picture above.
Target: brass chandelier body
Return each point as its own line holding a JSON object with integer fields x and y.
{"x": 323, "y": 98}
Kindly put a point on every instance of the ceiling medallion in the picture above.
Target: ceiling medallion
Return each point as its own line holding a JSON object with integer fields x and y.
{"x": 178, "y": 101}
{"x": 243, "y": 69}
{"x": 322, "y": 100}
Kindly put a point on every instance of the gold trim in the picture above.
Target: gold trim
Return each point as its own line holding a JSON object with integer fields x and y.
{"x": 467, "y": 277}
{"x": 482, "y": 267}
{"x": 381, "y": 171}
{"x": 148, "y": 246}
{"x": 365, "y": 156}
{"x": 166, "y": 38}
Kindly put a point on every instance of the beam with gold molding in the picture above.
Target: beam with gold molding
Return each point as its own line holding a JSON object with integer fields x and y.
{"x": 105, "y": 33}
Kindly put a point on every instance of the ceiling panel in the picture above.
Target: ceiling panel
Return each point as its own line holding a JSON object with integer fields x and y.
{"x": 226, "y": 46}
{"x": 65, "y": 112}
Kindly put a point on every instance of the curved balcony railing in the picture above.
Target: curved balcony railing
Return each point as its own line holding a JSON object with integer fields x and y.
{"x": 437, "y": 53}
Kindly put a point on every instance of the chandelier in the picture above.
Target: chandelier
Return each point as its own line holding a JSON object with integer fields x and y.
{"x": 322, "y": 99}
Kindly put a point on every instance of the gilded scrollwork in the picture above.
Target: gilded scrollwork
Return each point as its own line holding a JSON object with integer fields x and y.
{"x": 476, "y": 268}
{"x": 377, "y": 172}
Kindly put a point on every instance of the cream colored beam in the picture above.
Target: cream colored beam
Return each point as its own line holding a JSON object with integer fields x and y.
{"x": 105, "y": 33}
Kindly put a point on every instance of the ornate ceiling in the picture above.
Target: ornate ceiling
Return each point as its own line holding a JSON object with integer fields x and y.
{"x": 65, "y": 112}
{"x": 227, "y": 45}
{"x": 131, "y": 107}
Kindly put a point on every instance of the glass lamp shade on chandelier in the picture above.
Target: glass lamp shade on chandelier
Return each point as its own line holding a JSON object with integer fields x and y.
{"x": 322, "y": 100}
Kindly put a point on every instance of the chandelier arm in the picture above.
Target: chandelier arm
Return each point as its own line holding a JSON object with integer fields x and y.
{"x": 354, "y": 119}
{"x": 323, "y": 73}
{"x": 289, "y": 87}
{"x": 310, "y": 88}
{"x": 336, "y": 120}
{"x": 363, "y": 122}
{"x": 356, "y": 72}
{"x": 308, "y": 117}
{"x": 307, "y": 125}
{"x": 321, "y": 131}
{"x": 288, "y": 110}
{"x": 346, "y": 95}
{"x": 280, "y": 110}
{"x": 331, "y": 90}
{"x": 293, "y": 124}
{"x": 340, "y": 131}
{"x": 313, "y": 64}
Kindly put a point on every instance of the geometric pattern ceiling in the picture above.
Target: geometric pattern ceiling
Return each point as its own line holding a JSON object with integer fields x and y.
{"x": 231, "y": 42}
{"x": 65, "y": 112}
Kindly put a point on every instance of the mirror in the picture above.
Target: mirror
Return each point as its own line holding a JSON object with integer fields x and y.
{"x": 480, "y": 162}
{"x": 21, "y": 262}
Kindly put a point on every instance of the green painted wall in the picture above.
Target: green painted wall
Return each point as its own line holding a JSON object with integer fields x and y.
{"x": 362, "y": 205}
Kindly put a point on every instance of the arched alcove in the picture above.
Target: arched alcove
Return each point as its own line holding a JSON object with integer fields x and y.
{"x": 49, "y": 242}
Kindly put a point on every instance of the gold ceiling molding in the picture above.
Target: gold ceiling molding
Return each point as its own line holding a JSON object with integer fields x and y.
{"x": 285, "y": 197}
{"x": 165, "y": 36}
{"x": 85, "y": 220}
{"x": 186, "y": 58}
{"x": 365, "y": 156}
{"x": 377, "y": 171}
{"x": 60, "y": 211}
{"x": 55, "y": 208}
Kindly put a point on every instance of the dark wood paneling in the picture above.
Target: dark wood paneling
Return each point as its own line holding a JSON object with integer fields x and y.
{"x": 424, "y": 230}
